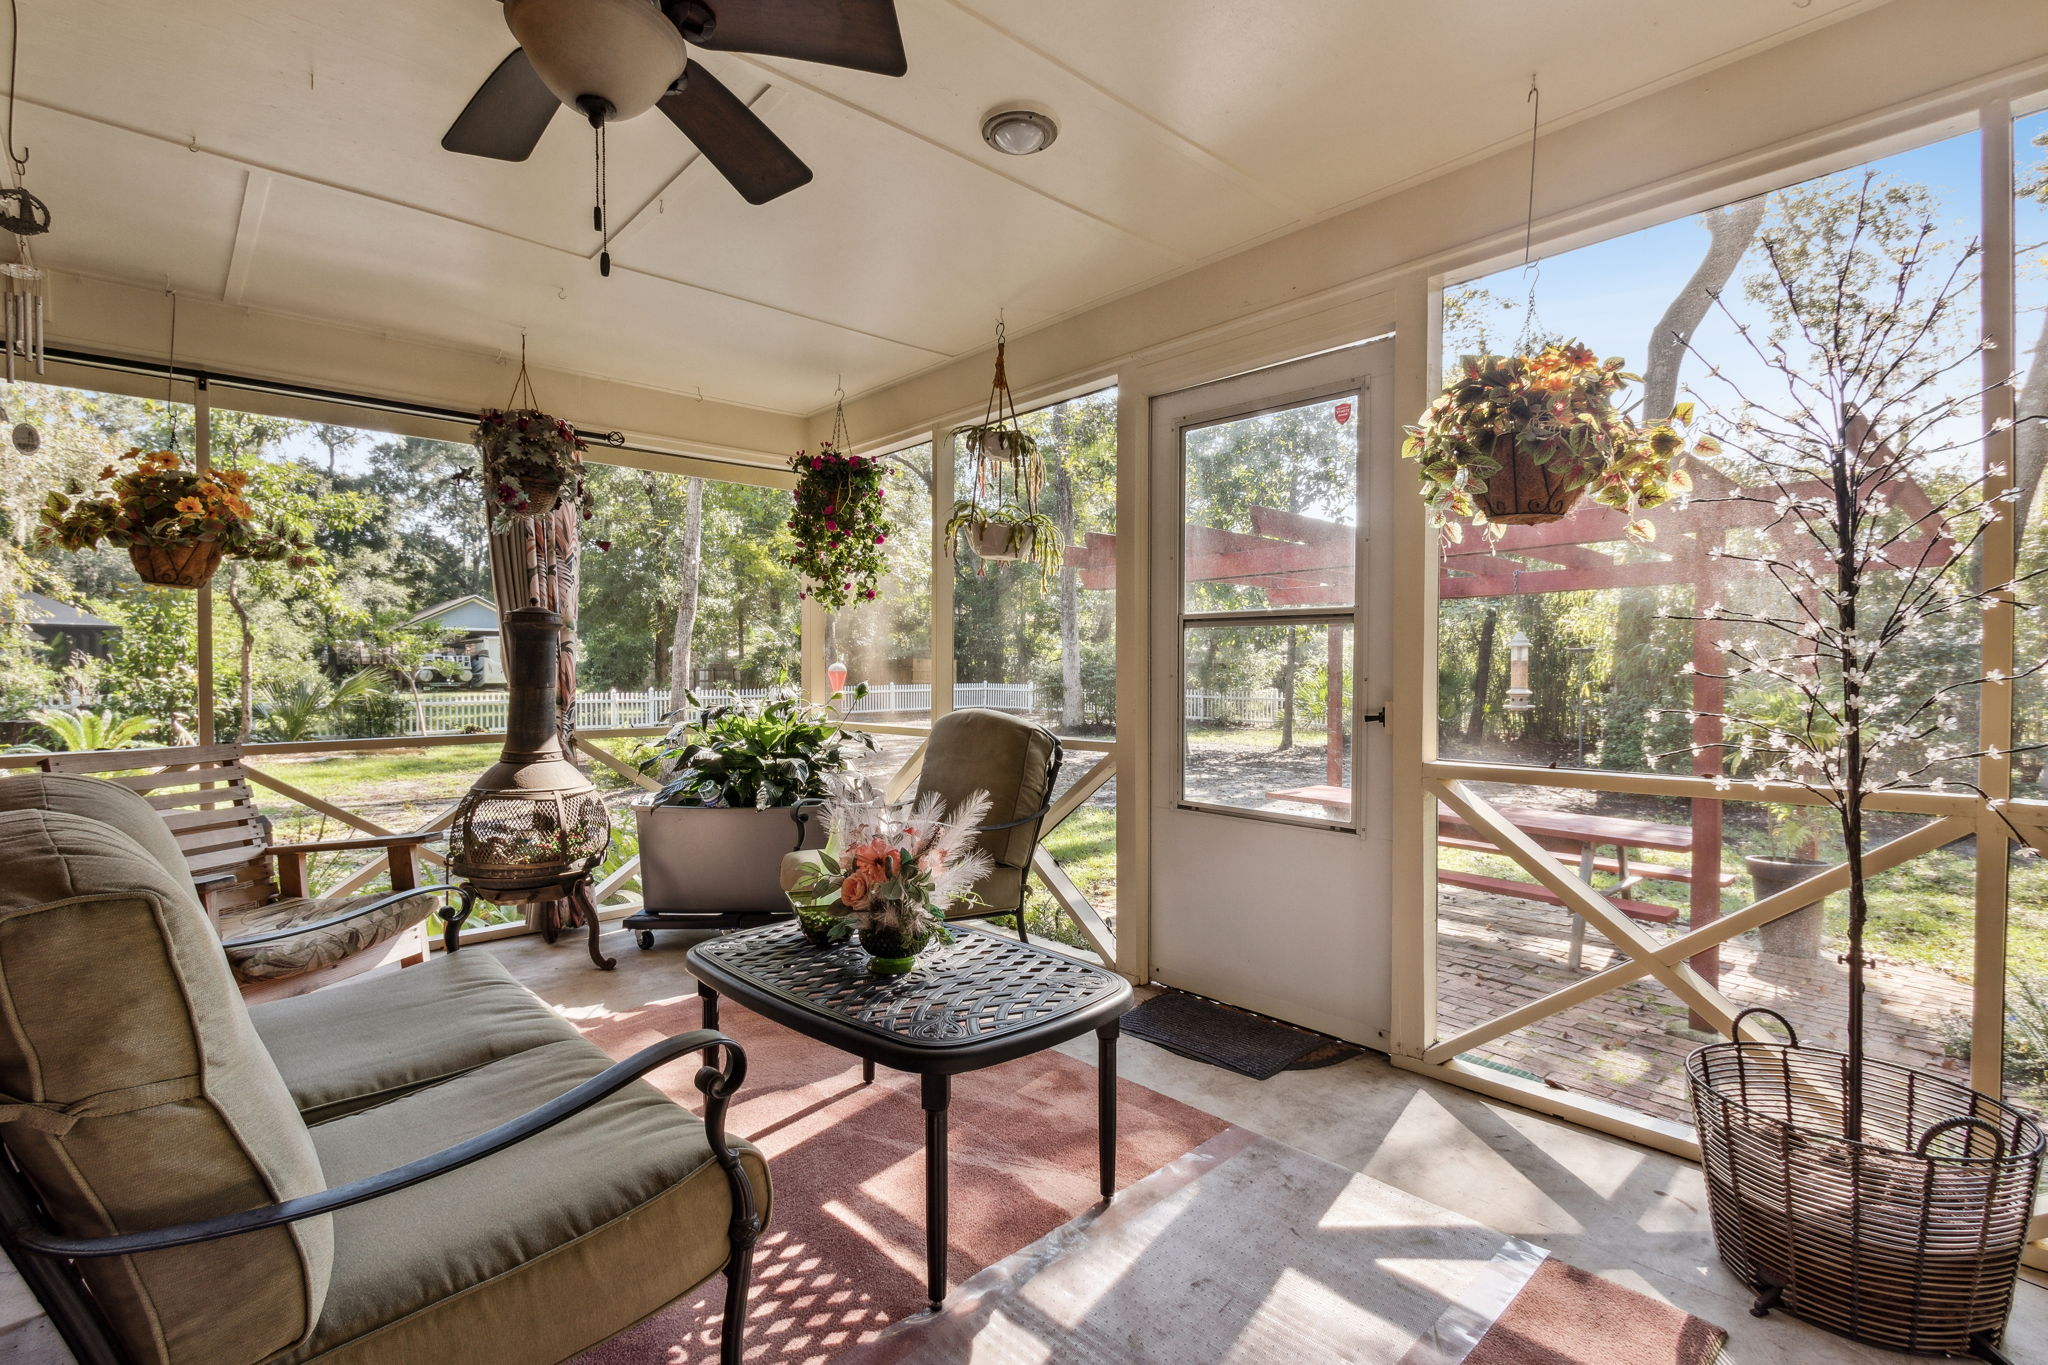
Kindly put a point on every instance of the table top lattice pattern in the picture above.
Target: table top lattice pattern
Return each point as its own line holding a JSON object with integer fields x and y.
{"x": 978, "y": 988}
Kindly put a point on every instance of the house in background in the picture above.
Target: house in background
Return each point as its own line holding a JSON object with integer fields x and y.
{"x": 67, "y": 630}
{"x": 470, "y": 654}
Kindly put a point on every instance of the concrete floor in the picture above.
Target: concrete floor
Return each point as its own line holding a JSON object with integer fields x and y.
{"x": 1635, "y": 1215}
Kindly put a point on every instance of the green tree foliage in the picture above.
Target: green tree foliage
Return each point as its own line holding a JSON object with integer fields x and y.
{"x": 746, "y": 624}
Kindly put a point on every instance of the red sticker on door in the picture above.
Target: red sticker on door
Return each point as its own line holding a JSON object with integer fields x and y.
{"x": 1343, "y": 413}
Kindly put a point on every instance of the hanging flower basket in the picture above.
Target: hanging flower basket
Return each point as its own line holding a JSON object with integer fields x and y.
{"x": 532, "y": 463}
{"x": 1522, "y": 492}
{"x": 176, "y": 523}
{"x": 839, "y": 518}
{"x": 190, "y": 565}
{"x": 1516, "y": 440}
{"x": 1909, "y": 1239}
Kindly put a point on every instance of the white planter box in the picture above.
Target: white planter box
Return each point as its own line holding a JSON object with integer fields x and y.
{"x": 693, "y": 859}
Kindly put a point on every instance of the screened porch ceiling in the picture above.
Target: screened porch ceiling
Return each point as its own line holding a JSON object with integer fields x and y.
{"x": 285, "y": 158}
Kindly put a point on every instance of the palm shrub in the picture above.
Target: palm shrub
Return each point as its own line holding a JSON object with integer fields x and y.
{"x": 77, "y": 729}
{"x": 297, "y": 710}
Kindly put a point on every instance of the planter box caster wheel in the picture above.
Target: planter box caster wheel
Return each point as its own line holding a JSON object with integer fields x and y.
{"x": 645, "y": 938}
{"x": 1766, "y": 1300}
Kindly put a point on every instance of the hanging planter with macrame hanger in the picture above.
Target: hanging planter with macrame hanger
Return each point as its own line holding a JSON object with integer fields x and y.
{"x": 999, "y": 519}
{"x": 532, "y": 462}
{"x": 839, "y": 519}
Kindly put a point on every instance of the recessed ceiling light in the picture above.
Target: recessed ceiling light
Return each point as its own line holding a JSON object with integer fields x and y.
{"x": 1018, "y": 132}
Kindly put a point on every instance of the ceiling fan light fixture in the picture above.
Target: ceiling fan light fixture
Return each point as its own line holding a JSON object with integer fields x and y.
{"x": 1018, "y": 132}
{"x": 620, "y": 53}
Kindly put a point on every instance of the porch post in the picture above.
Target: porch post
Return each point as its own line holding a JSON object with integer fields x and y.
{"x": 202, "y": 626}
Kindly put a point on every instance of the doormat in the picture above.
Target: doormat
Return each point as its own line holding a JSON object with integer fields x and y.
{"x": 1230, "y": 1038}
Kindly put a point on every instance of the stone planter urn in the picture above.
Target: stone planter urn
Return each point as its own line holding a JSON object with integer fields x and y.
{"x": 1798, "y": 934}
{"x": 697, "y": 858}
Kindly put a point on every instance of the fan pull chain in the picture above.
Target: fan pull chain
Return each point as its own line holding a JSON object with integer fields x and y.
{"x": 598, "y": 220}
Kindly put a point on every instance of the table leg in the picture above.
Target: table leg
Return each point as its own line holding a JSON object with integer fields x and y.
{"x": 710, "y": 999}
{"x": 938, "y": 1094}
{"x": 1105, "y": 1104}
{"x": 867, "y": 1071}
{"x": 1578, "y": 920}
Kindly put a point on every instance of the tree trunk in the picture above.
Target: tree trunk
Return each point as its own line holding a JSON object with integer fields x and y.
{"x": 245, "y": 725}
{"x": 1482, "y": 677}
{"x": 1637, "y": 670}
{"x": 1070, "y": 596}
{"x": 689, "y": 566}
{"x": 2030, "y": 439}
{"x": 1730, "y": 230}
{"x": 1287, "y": 674}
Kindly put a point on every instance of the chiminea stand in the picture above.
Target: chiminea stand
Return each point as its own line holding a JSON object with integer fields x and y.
{"x": 533, "y": 827}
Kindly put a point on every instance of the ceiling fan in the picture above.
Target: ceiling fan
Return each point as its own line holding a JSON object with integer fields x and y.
{"x": 616, "y": 59}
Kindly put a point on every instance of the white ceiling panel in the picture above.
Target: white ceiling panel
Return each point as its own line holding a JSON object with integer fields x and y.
{"x": 1327, "y": 103}
{"x": 1189, "y": 128}
{"x": 364, "y": 261}
{"x": 130, "y": 212}
{"x": 895, "y": 237}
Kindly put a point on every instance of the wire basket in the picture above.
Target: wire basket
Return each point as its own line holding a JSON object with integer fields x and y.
{"x": 1910, "y": 1238}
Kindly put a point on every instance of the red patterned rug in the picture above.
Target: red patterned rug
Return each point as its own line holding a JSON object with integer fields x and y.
{"x": 844, "y": 1254}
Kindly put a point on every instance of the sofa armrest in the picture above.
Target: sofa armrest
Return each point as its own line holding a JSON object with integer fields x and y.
{"x": 717, "y": 1084}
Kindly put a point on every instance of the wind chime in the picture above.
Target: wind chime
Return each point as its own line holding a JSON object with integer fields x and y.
{"x": 22, "y": 306}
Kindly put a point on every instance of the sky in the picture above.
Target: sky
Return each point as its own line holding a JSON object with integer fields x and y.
{"x": 1611, "y": 294}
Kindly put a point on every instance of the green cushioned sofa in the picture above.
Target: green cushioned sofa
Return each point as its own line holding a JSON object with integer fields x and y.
{"x": 424, "y": 1166}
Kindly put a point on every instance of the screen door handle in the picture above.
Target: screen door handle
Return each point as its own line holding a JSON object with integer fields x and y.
{"x": 1378, "y": 717}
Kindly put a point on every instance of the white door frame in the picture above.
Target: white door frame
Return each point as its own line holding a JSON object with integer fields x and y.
{"x": 1289, "y": 917}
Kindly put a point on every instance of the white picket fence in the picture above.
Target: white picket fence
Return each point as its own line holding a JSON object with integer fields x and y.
{"x": 1233, "y": 708}
{"x": 457, "y": 712}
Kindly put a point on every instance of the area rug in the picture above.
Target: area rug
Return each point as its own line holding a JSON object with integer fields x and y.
{"x": 1251, "y": 1252}
{"x": 844, "y": 1253}
{"x": 1248, "y": 1044}
{"x": 1565, "y": 1316}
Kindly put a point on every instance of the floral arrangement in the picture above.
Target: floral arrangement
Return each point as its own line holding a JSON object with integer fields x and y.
{"x": 532, "y": 463}
{"x": 895, "y": 880}
{"x": 1554, "y": 411}
{"x": 840, "y": 523}
{"x": 154, "y": 499}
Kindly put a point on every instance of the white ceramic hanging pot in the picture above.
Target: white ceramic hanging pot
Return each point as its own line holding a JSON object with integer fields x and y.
{"x": 1003, "y": 541}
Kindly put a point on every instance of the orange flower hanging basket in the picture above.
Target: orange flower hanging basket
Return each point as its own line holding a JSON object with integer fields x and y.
{"x": 177, "y": 566}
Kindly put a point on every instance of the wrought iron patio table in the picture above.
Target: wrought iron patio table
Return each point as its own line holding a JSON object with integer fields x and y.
{"x": 979, "y": 1001}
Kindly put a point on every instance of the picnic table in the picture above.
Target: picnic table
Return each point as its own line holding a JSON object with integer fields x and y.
{"x": 1581, "y": 837}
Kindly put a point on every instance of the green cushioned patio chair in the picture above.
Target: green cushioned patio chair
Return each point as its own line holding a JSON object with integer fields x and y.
{"x": 1018, "y": 764}
{"x": 428, "y": 1165}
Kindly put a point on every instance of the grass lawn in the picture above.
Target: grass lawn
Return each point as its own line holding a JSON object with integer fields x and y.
{"x": 1085, "y": 844}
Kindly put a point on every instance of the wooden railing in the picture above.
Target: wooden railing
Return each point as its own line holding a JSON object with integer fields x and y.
{"x": 613, "y": 898}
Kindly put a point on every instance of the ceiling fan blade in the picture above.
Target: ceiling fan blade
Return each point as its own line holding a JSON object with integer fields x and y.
{"x": 861, "y": 34}
{"x": 744, "y": 149}
{"x": 507, "y": 114}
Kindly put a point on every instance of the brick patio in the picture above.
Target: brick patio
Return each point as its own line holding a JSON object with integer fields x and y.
{"x": 1495, "y": 953}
